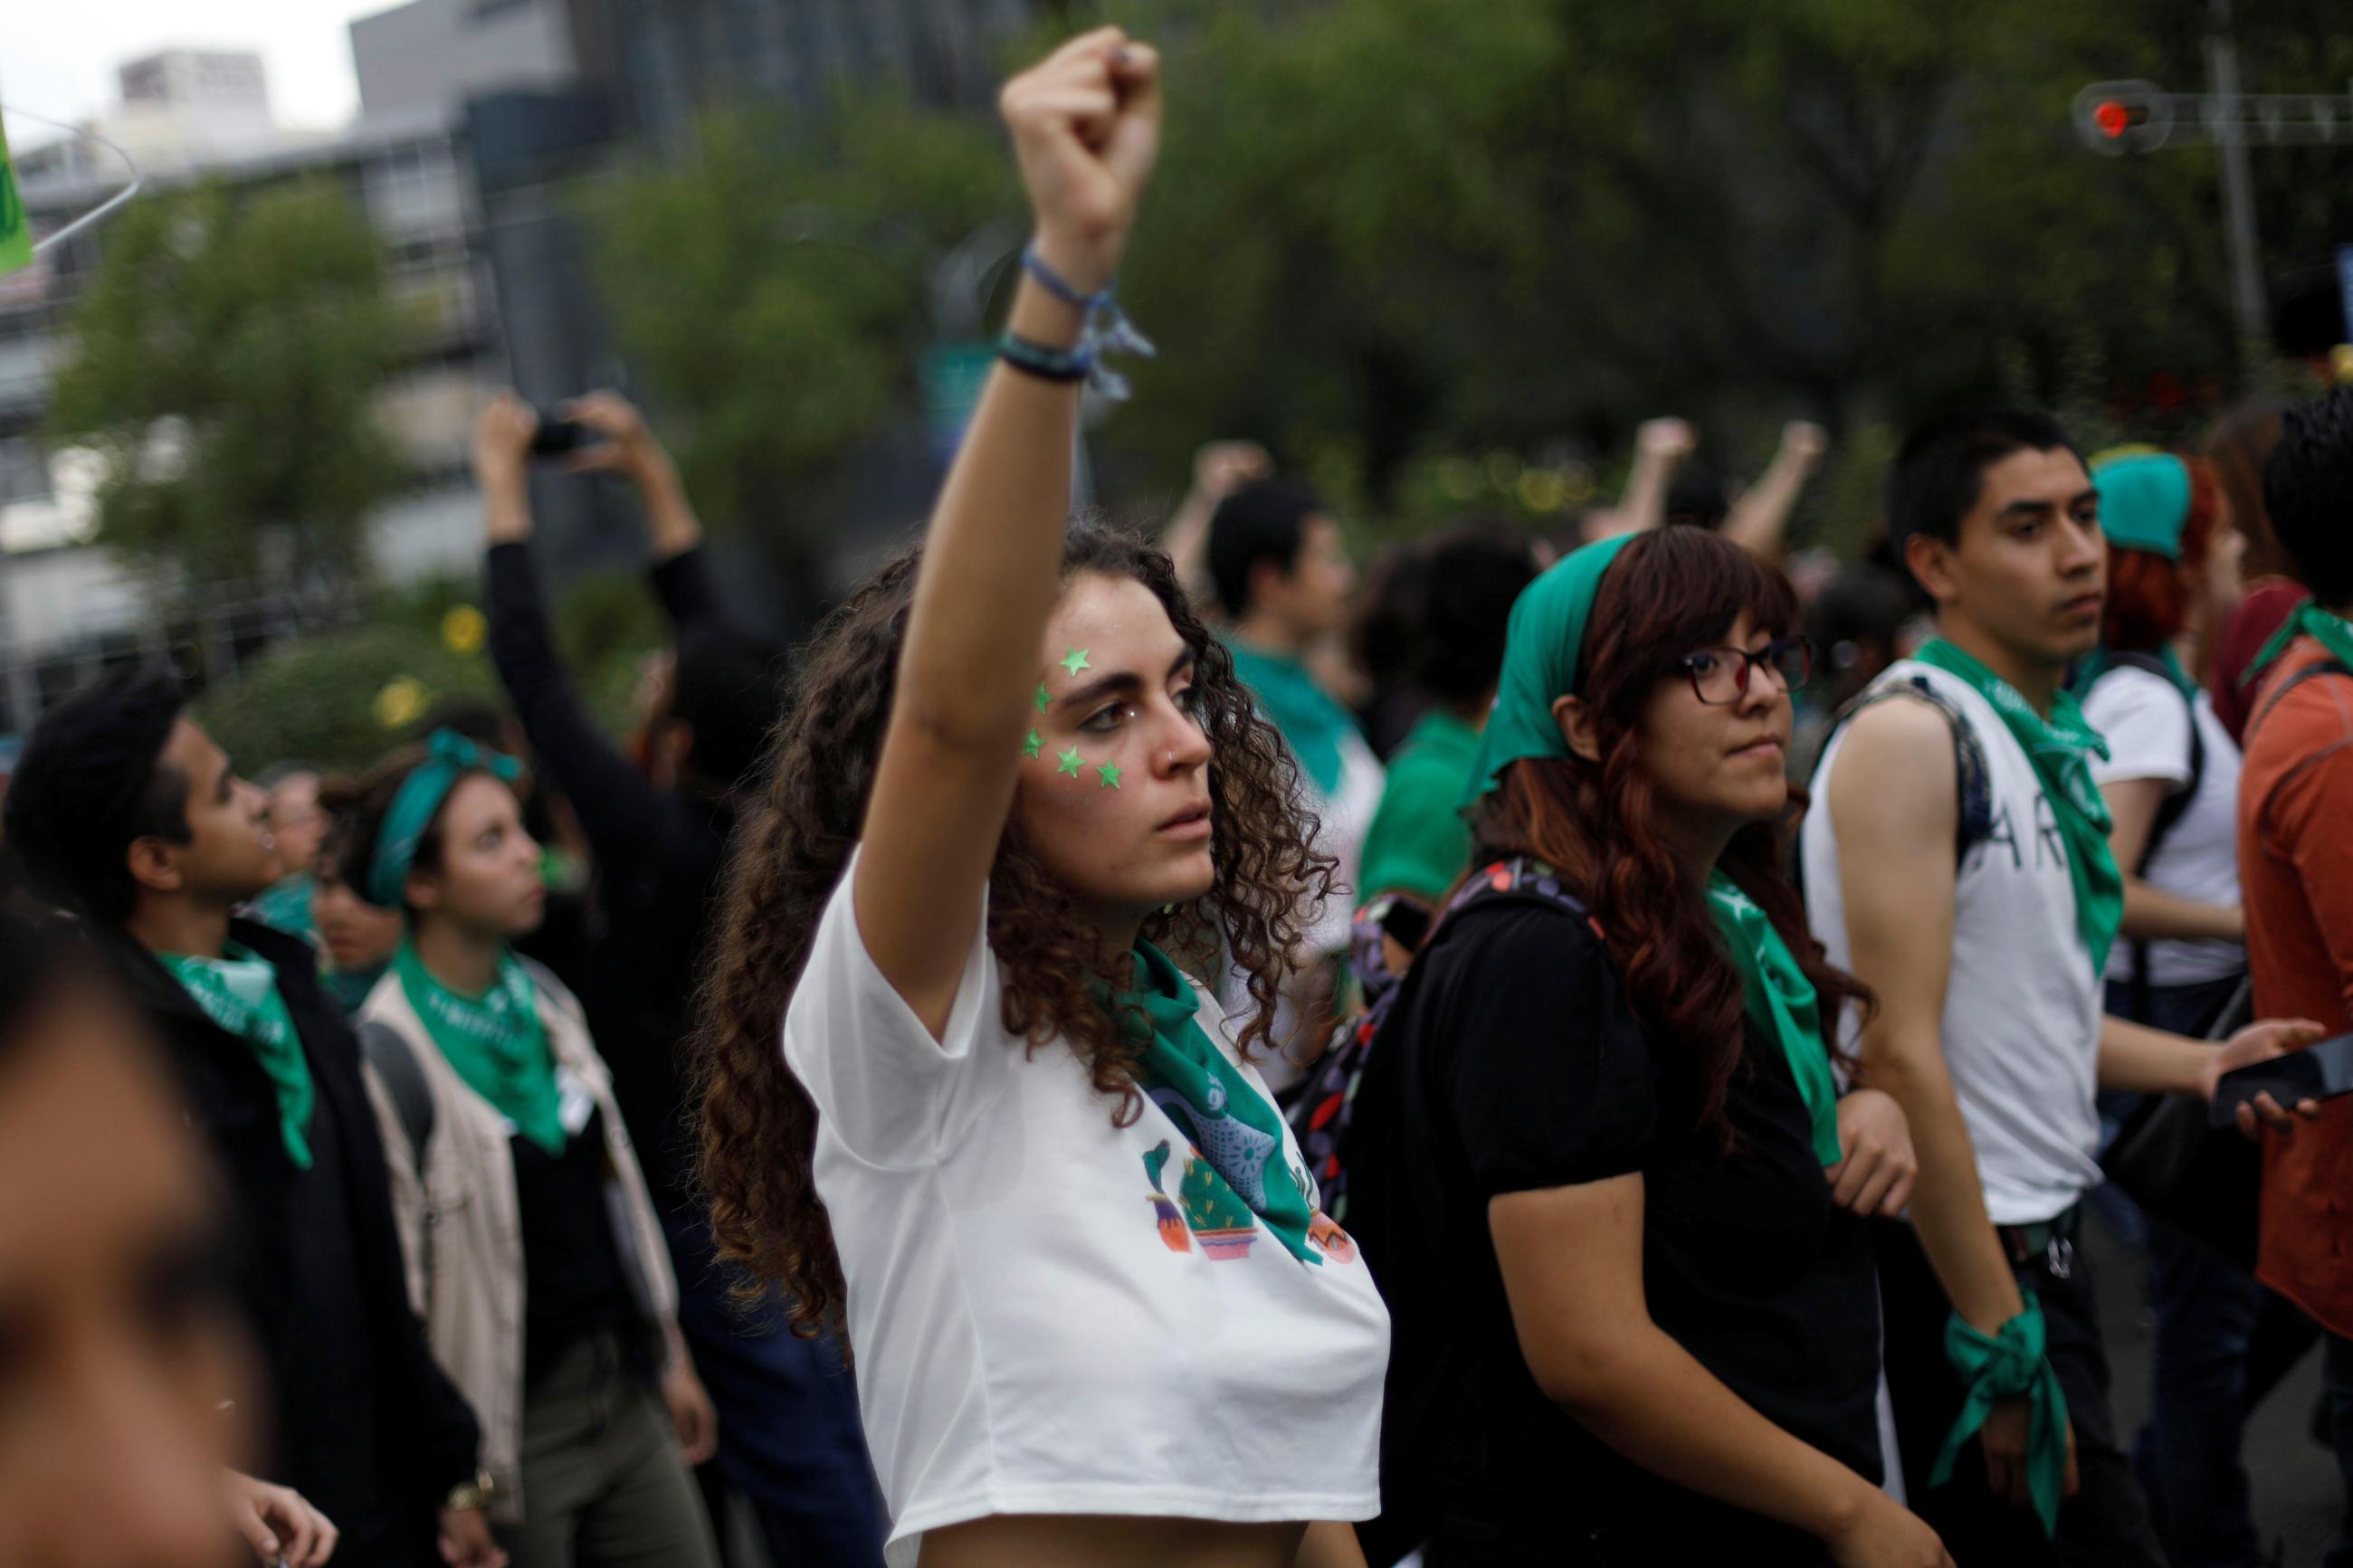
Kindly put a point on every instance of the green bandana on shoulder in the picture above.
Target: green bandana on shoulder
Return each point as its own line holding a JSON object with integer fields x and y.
{"x": 238, "y": 991}
{"x": 495, "y": 1041}
{"x": 2061, "y": 749}
{"x": 1237, "y": 1133}
{"x": 1781, "y": 1004}
{"x": 2334, "y": 633}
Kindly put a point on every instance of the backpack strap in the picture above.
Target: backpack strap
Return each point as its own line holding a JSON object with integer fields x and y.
{"x": 1972, "y": 778}
{"x": 403, "y": 1077}
{"x": 2324, "y": 667}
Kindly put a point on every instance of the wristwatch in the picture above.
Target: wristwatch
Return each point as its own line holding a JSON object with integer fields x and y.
{"x": 469, "y": 1494}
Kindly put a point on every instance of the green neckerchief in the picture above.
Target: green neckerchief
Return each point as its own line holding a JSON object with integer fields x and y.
{"x": 1312, "y": 725}
{"x": 2099, "y": 661}
{"x": 2008, "y": 1364}
{"x": 2334, "y": 633}
{"x": 238, "y": 991}
{"x": 1232, "y": 1127}
{"x": 2061, "y": 748}
{"x": 286, "y": 906}
{"x": 1540, "y": 653}
{"x": 1781, "y": 1003}
{"x": 496, "y": 1042}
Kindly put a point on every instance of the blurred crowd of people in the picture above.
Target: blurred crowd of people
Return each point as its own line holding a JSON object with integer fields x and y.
{"x": 1581, "y": 1049}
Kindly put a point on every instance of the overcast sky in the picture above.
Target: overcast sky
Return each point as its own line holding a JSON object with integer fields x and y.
{"x": 57, "y": 57}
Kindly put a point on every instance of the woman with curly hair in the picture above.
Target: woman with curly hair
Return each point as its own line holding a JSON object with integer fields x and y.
{"x": 1599, "y": 1161}
{"x": 1096, "y": 1311}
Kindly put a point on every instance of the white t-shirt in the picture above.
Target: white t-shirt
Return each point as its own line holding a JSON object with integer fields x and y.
{"x": 2146, "y": 720}
{"x": 2021, "y": 1022}
{"x": 1036, "y": 1329}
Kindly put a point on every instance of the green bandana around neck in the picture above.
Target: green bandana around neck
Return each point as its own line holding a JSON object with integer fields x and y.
{"x": 2061, "y": 749}
{"x": 495, "y": 1041}
{"x": 1540, "y": 653}
{"x": 2332, "y": 632}
{"x": 1236, "y": 1132}
{"x": 1781, "y": 1004}
{"x": 238, "y": 992}
{"x": 2001, "y": 1367}
{"x": 1312, "y": 724}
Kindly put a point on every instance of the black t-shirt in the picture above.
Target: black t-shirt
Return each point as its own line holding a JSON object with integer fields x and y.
{"x": 1513, "y": 1063}
{"x": 573, "y": 1284}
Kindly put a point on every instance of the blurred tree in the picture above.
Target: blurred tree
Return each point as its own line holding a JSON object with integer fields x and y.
{"x": 1394, "y": 236}
{"x": 224, "y": 364}
{"x": 773, "y": 286}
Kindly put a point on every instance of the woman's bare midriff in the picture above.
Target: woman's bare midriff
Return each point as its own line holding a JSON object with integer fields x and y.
{"x": 1096, "y": 1540}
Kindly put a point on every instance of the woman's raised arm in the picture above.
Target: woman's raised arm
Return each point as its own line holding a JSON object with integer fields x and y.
{"x": 1086, "y": 126}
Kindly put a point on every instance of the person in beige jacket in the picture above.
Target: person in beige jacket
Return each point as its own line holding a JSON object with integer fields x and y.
{"x": 533, "y": 1251}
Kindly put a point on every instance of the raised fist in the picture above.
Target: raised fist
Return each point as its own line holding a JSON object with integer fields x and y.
{"x": 1086, "y": 127}
{"x": 1667, "y": 440}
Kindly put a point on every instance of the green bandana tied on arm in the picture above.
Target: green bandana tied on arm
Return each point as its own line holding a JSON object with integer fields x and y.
{"x": 2334, "y": 633}
{"x": 1540, "y": 654}
{"x": 2008, "y": 1364}
{"x": 1234, "y": 1130}
{"x": 2061, "y": 749}
{"x": 238, "y": 991}
{"x": 495, "y": 1041}
{"x": 1781, "y": 1003}
{"x": 1312, "y": 725}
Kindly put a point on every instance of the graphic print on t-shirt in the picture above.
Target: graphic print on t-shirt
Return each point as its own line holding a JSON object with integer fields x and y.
{"x": 1206, "y": 1205}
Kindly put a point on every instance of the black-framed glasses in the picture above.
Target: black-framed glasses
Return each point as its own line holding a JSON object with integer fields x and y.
{"x": 1720, "y": 675}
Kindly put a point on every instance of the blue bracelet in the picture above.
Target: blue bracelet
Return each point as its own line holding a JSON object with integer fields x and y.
{"x": 1106, "y": 329}
{"x": 1047, "y": 364}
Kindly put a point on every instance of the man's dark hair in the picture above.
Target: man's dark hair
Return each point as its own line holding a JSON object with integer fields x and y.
{"x": 730, "y": 686}
{"x": 1471, "y": 575}
{"x": 91, "y": 780}
{"x": 1696, "y": 496}
{"x": 2308, "y": 491}
{"x": 1265, "y": 520}
{"x": 1940, "y": 472}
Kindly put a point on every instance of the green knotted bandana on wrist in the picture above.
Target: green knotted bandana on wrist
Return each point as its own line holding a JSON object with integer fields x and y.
{"x": 2001, "y": 1367}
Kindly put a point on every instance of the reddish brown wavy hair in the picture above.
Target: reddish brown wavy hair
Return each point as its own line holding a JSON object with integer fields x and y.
{"x": 758, "y": 1127}
{"x": 2148, "y": 603}
{"x": 1667, "y": 594}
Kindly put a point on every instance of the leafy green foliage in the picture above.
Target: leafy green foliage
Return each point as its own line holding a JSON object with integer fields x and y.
{"x": 225, "y": 362}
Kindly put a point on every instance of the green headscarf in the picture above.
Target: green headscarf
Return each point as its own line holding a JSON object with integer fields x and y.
{"x": 1781, "y": 1003}
{"x": 2061, "y": 749}
{"x": 448, "y": 757}
{"x": 1314, "y": 726}
{"x": 1540, "y": 653}
{"x": 1237, "y": 1133}
{"x": 238, "y": 991}
{"x": 2144, "y": 505}
{"x": 495, "y": 1041}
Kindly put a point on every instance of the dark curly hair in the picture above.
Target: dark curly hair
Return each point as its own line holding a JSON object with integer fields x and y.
{"x": 758, "y": 1127}
{"x": 1668, "y": 592}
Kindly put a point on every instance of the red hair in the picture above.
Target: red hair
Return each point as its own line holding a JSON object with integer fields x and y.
{"x": 1667, "y": 593}
{"x": 2148, "y": 597}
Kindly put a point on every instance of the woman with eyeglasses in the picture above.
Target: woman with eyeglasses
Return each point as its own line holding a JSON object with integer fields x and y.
{"x": 1600, "y": 1163}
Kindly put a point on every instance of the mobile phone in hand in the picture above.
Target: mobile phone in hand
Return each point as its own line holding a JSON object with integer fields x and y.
{"x": 2320, "y": 1071}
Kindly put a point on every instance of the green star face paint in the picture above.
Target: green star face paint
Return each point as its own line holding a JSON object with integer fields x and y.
{"x": 1069, "y": 762}
{"x": 1075, "y": 660}
{"x": 1041, "y": 698}
{"x": 1109, "y": 773}
{"x": 1033, "y": 745}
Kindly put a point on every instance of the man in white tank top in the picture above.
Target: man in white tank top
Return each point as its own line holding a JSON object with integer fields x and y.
{"x": 1955, "y": 859}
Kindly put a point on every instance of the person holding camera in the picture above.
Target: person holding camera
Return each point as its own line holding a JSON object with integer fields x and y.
{"x": 659, "y": 823}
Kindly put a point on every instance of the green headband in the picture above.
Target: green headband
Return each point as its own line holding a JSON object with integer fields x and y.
{"x": 2144, "y": 501}
{"x": 1540, "y": 652}
{"x": 448, "y": 757}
